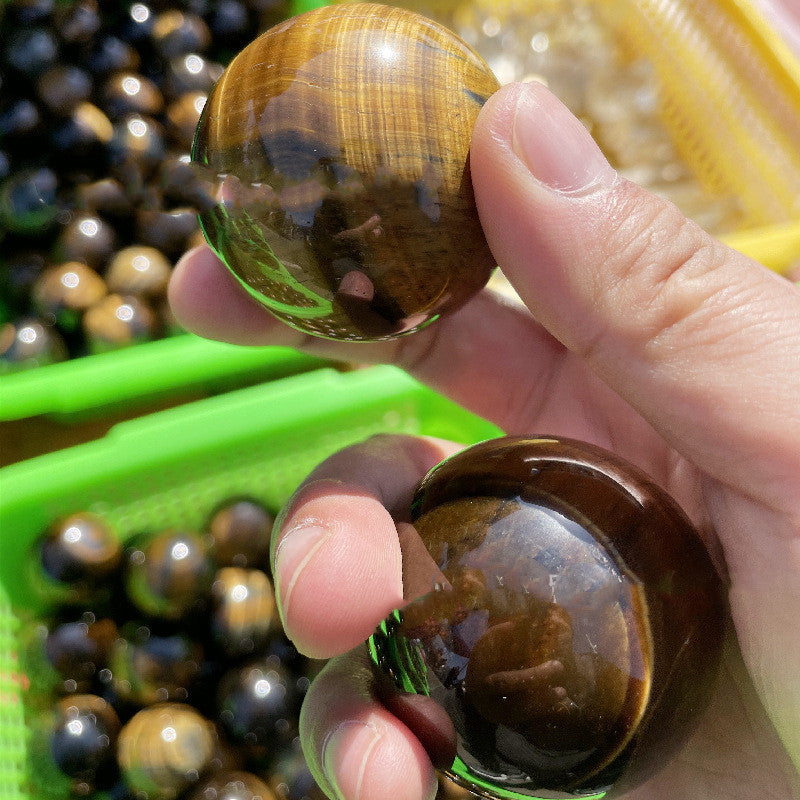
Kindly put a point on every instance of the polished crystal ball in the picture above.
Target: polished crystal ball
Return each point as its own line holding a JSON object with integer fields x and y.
{"x": 334, "y": 154}
{"x": 563, "y": 611}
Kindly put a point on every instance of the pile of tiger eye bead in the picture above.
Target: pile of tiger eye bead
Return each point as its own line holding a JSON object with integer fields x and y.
{"x": 98, "y": 108}
{"x": 161, "y": 671}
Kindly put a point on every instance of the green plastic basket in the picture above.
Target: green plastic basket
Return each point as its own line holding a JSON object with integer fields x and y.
{"x": 171, "y": 468}
{"x": 94, "y": 385}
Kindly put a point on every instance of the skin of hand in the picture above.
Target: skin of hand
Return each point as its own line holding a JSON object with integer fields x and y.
{"x": 641, "y": 334}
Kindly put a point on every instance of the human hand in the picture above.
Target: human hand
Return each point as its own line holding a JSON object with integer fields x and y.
{"x": 642, "y": 334}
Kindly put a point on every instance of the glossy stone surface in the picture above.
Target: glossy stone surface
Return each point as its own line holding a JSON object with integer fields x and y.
{"x": 566, "y": 615}
{"x": 341, "y": 178}
{"x": 164, "y": 749}
{"x": 169, "y": 574}
{"x": 139, "y": 270}
{"x": 118, "y": 320}
{"x": 244, "y": 613}
{"x": 77, "y": 554}
{"x": 232, "y": 786}
{"x": 258, "y": 705}
{"x": 147, "y": 668}
{"x": 65, "y": 289}
{"x": 88, "y": 239}
{"x": 83, "y": 738}
{"x": 241, "y": 530}
{"x": 28, "y": 343}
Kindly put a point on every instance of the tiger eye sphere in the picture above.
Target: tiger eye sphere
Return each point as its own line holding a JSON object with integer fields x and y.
{"x": 245, "y": 613}
{"x": 77, "y": 556}
{"x": 147, "y": 668}
{"x": 232, "y": 785}
{"x": 336, "y": 146}
{"x": 241, "y": 530}
{"x": 83, "y": 738}
{"x": 566, "y": 616}
{"x": 162, "y": 750}
{"x": 169, "y": 574}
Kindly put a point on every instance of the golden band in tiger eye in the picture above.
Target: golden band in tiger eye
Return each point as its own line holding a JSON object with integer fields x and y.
{"x": 335, "y": 148}
{"x": 565, "y": 613}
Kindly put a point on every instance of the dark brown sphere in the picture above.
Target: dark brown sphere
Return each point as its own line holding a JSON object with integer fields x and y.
{"x": 88, "y": 239}
{"x": 183, "y": 114}
{"x": 232, "y": 786}
{"x": 176, "y": 33}
{"x": 567, "y": 617}
{"x": 347, "y": 207}
{"x": 245, "y": 613}
{"x": 167, "y": 231}
{"x": 148, "y": 668}
{"x": 163, "y": 750}
{"x": 78, "y": 650}
{"x": 77, "y": 555}
{"x": 131, "y": 93}
{"x": 241, "y": 530}
{"x": 259, "y": 703}
{"x": 169, "y": 574}
{"x": 63, "y": 88}
{"x": 83, "y": 739}
{"x": 105, "y": 196}
{"x": 191, "y": 73}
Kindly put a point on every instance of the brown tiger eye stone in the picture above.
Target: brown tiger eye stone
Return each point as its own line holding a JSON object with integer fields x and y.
{"x": 564, "y": 612}
{"x": 164, "y": 749}
{"x": 337, "y": 147}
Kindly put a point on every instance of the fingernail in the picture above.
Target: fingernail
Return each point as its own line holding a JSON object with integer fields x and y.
{"x": 345, "y": 756}
{"x": 294, "y": 550}
{"x": 558, "y": 150}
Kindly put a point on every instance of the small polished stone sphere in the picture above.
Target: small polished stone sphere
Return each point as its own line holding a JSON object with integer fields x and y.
{"x": 191, "y": 72}
{"x": 28, "y": 343}
{"x": 65, "y": 656}
{"x": 118, "y": 321}
{"x": 111, "y": 54}
{"x": 565, "y": 614}
{"x": 31, "y": 50}
{"x": 88, "y": 239}
{"x": 232, "y": 786}
{"x": 245, "y": 612}
{"x": 77, "y": 554}
{"x": 62, "y": 88}
{"x": 28, "y": 201}
{"x": 176, "y": 33}
{"x": 83, "y": 135}
{"x": 139, "y": 270}
{"x": 338, "y": 144}
{"x": 258, "y": 705}
{"x": 148, "y": 668}
{"x": 169, "y": 574}
{"x": 241, "y": 530}
{"x": 137, "y": 139}
{"x": 163, "y": 750}
{"x": 21, "y": 118}
{"x": 84, "y": 738}
{"x": 105, "y": 196}
{"x": 131, "y": 93}
{"x": 290, "y": 778}
{"x": 66, "y": 289}
{"x": 79, "y": 650}
{"x": 167, "y": 231}
{"x": 183, "y": 115}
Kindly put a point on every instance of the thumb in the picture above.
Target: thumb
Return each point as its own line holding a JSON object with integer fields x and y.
{"x": 702, "y": 341}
